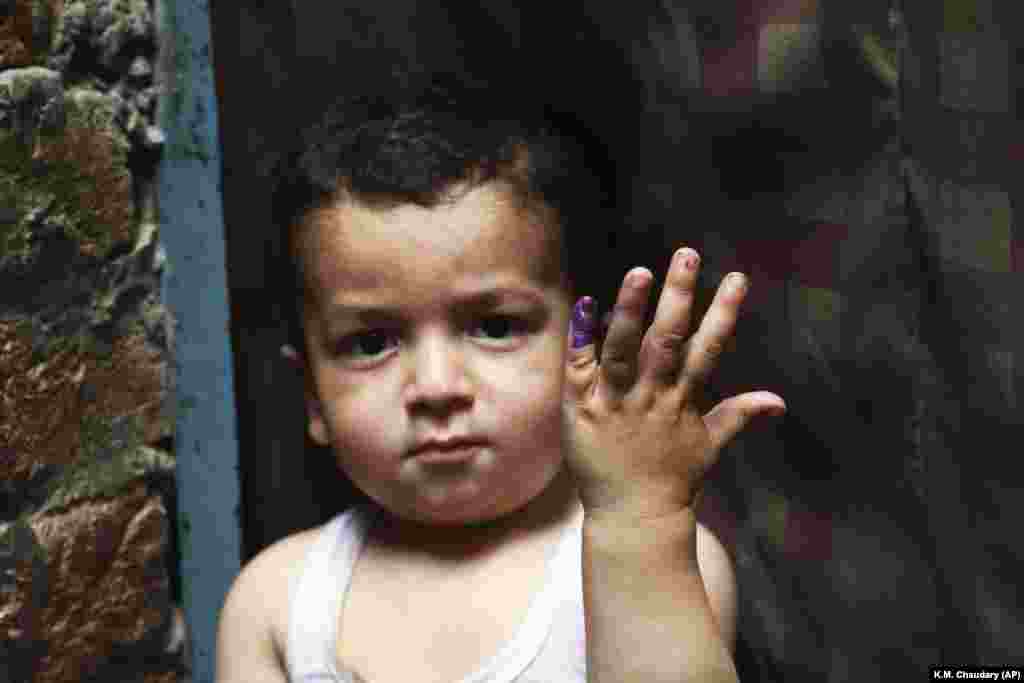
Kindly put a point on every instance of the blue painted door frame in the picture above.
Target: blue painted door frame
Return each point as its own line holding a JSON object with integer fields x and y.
{"x": 195, "y": 290}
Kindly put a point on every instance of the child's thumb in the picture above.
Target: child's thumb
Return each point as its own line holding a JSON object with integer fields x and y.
{"x": 581, "y": 358}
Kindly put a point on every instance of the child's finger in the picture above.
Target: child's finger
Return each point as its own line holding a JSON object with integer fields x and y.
{"x": 731, "y": 416}
{"x": 715, "y": 331}
{"x": 666, "y": 339}
{"x": 582, "y": 354}
{"x": 621, "y": 347}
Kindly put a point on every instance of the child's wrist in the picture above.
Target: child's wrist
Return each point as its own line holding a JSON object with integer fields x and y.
{"x": 632, "y": 531}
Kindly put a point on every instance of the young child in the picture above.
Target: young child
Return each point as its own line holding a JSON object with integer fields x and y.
{"x": 529, "y": 511}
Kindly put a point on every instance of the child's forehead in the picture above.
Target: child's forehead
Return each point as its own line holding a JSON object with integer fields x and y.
{"x": 479, "y": 229}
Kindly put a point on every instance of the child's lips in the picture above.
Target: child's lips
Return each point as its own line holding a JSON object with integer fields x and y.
{"x": 448, "y": 456}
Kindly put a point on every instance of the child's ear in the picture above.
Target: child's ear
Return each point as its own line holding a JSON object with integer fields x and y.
{"x": 317, "y": 426}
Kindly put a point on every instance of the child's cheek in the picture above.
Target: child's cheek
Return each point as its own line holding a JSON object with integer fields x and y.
{"x": 532, "y": 403}
{"x": 364, "y": 437}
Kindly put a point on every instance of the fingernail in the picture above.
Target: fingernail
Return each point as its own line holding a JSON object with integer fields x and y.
{"x": 583, "y": 322}
{"x": 688, "y": 257}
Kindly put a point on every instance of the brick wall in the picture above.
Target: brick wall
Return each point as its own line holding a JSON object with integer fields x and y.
{"x": 87, "y": 586}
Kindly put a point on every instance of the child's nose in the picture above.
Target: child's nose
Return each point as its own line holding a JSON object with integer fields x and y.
{"x": 438, "y": 372}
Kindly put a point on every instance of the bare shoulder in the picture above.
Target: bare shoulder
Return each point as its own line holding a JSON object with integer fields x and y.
{"x": 263, "y": 585}
{"x": 711, "y": 554}
{"x": 284, "y": 560}
{"x": 716, "y": 569}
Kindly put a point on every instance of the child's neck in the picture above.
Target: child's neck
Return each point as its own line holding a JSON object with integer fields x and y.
{"x": 465, "y": 544}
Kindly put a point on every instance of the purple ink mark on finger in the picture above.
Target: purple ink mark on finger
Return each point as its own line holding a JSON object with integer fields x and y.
{"x": 583, "y": 322}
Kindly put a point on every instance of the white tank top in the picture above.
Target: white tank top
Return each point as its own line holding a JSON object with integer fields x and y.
{"x": 548, "y": 647}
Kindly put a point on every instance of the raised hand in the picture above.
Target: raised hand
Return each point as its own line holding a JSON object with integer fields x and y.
{"x": 637, "y": 443}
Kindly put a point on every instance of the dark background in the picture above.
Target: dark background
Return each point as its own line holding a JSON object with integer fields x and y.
{"x": 875, "y": 528}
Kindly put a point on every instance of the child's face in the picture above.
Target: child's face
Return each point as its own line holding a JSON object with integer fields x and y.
{"x": 434, "y": 364}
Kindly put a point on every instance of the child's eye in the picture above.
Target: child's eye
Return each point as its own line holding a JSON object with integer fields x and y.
{"x": 370, "y": 342}
{"x": 501, "y": 326}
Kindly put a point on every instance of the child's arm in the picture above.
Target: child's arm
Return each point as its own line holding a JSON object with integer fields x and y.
{"x": 648, "y": 615}
{"x": 639, "y": 448}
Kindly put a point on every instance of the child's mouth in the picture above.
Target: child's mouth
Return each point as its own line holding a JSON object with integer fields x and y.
{"x": 448, "y": 456}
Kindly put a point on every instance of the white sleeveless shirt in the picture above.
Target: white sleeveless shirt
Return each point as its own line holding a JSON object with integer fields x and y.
{"x": 549, "y": 645}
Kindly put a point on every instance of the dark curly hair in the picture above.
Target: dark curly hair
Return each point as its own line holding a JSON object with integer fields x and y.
{"x": 411, "y": 139}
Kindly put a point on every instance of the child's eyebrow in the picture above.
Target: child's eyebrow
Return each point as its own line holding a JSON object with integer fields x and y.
{"x": 489, "y": 298}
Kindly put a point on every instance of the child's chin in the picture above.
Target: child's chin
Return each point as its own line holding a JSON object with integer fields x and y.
{"x": 463, "y": 510}
{"x": 473, "y": 514}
